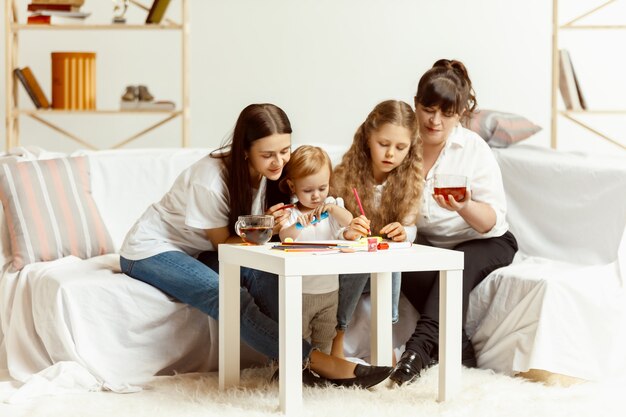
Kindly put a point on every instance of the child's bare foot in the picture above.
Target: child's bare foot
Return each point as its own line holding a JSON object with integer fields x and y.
{"x": 341, "y": 372}
{"x": 331, "y": 367}
{"x": 337, "y": 347}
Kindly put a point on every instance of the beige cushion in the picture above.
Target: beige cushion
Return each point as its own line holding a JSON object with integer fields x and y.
{"x": 50, "y": 212}
{"x": 501, "y": 129}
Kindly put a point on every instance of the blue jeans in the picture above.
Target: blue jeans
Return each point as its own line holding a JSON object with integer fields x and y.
{"x": 192, "y": 282}
{"x": 351, "y": 286}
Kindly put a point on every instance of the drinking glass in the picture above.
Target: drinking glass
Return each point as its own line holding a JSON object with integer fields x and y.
{"x": 454, "y": 185}
{"x": 255, "y": 229}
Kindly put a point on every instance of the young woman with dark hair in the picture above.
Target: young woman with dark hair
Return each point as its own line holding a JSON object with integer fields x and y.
{"x": 198, "y": 213}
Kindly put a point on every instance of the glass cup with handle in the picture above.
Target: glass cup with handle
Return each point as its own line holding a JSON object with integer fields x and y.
{"x": 454, "y": 185}
{"x": 255, "y": 229}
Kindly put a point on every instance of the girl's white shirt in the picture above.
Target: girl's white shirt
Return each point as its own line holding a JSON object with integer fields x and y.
{"x": 198, "y": 200}
{"x": 465, "y": 153}
{"x": 327, "y": 229}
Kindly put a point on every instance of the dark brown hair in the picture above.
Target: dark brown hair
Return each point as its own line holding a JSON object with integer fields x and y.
{"x": 401, "y": 196}
{"x": 255, "y": 122}
{"x": 447, "y": 85}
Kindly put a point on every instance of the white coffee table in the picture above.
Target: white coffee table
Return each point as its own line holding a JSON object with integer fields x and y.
{"x": 291, "y": 266}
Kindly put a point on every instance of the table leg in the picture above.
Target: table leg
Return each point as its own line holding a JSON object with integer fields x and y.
{"x": 381, "y": 338}
{"x": 290, "y": 344}
{"x": 229, "y": 331}
{"x": 450, "y": 317}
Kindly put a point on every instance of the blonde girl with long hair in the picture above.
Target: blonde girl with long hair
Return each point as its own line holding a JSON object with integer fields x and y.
{"x": 384, "y": 165}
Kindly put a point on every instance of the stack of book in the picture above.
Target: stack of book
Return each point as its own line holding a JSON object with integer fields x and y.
{"x": 48, "y": 12}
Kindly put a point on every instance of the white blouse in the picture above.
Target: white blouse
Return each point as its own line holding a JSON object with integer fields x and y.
{"x": 465, "y": 153}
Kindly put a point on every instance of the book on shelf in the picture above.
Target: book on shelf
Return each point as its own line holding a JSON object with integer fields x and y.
{"x": 61, "y": 13}
{"x": 157, "y": 11}
{"x": 568, "y": 83}
{"x": 581, "y": 98}
{"x": 53, "y": 20}
{"x": 76, "y": 3}
{"x": 35, "y": 7}
{"x": 38, "y": 20}
{"x": 32, "y": 87}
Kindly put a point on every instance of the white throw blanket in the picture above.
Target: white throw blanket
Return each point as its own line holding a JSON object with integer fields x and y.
{"x": 119, "y": 330}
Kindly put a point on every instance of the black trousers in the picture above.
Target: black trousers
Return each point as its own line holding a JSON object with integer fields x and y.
{"x": 482, "y": 256}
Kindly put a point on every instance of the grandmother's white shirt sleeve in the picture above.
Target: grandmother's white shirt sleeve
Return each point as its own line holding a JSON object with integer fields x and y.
{"x": 468, "y": 154}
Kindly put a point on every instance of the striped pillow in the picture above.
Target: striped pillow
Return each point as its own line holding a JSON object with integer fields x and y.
{"x": 501, "y": 129}
{"x": 50, "y": 212}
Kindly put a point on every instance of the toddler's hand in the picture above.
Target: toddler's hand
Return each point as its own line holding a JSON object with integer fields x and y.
{"x": 317, "y": 213}
{"x": 304, "y": 220}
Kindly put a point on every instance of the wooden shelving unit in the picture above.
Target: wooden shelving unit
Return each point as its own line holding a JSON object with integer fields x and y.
{"x": 574, "y": 115}
{"x": 13, "y": 111}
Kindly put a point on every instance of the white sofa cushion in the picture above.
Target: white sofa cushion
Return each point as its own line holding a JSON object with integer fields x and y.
{"x": 126, "y": 182}
{"x": 564, "y": 206}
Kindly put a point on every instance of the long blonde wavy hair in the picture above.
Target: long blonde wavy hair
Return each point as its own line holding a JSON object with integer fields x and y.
{"x": 401, "y": 196}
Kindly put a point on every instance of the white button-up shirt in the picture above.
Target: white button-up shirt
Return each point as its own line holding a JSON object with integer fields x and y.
{"x": 465, "y": 153}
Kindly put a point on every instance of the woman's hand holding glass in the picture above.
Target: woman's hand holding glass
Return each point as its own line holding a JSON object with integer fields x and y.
{"x": 451, "y": 204}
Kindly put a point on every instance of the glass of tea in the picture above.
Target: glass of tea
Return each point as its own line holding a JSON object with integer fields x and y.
{"x": 255, "y": 229}
{"x": 454, "y": 185}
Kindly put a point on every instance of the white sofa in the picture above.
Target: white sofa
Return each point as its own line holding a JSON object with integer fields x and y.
{"x": 560, "y": 307}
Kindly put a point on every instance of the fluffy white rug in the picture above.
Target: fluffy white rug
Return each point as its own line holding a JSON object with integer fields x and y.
{"x": 484, "y": 394}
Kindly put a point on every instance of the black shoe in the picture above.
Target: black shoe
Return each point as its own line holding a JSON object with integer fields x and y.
{"x": 365, "y": 377}
{"x": 309, "y": 378}
{"x": 468, "y": 356}
{"x": 408, "y": 368}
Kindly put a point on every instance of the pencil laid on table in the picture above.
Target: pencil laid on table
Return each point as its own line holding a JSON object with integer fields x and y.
{"x": 358, "y": 201}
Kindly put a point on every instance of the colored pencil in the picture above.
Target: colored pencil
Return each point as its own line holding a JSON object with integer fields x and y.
{"x": 358, "y": 200}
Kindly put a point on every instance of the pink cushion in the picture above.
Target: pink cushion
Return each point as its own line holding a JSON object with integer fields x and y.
{"x": 50, "y": 212}
{"x": 501, "y": 129}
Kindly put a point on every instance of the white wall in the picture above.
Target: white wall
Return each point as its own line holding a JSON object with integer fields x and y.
{"x": 326, "y": 63}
